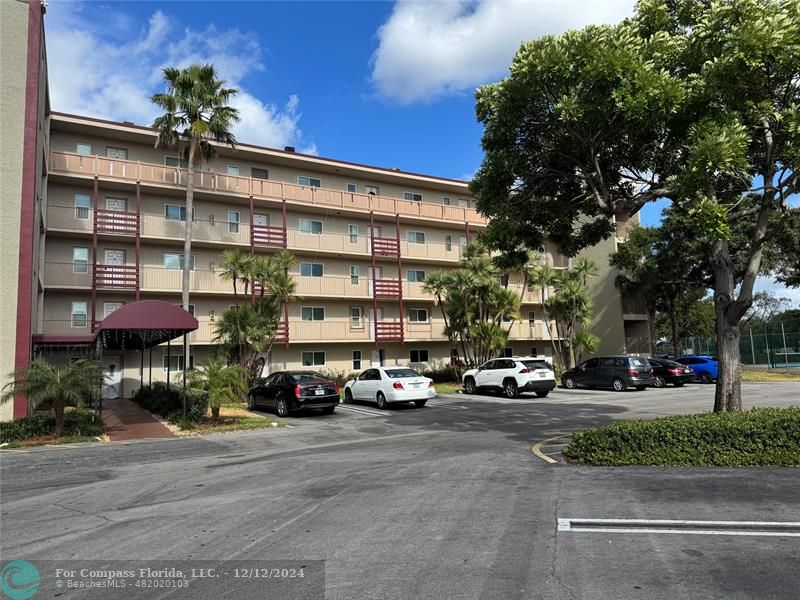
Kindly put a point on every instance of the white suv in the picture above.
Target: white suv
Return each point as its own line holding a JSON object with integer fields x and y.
{"x": 511, "y": 376}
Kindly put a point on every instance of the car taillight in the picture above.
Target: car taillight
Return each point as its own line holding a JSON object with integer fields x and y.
{"x": 397, "y": 385}
{"x": 676, "y": 371}
{"x": 430, "y": 383}
{"x": 298, "y": 391}
{"x": 633, "y": 372}
{"x": 525, "y": 371}
{"x": 336, "y": 385}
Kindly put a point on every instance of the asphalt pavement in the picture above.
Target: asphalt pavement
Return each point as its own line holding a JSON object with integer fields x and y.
{"x": 447, "y": 501}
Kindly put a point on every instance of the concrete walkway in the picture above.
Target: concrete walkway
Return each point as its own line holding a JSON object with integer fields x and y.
{"x": 126, "y": 420}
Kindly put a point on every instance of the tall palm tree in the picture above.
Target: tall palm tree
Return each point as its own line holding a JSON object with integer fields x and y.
{"x": 223, "y": 382}
{"x": 42, "y": 382}
{"x": 544, "y": 276}
{"x": 236, "y": 266}
{"x": 196, "y": 115}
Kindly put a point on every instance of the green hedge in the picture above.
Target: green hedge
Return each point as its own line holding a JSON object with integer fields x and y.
{"x": 168, "y": 403}
{"x": 762, "y": 436}
{"x": 76, "y": 423}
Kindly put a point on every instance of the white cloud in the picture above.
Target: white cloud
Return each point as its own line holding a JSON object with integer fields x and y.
{"x": 103, "y": 66}
{"x": 434, "y": 48}
{"x": 781, "y": 291}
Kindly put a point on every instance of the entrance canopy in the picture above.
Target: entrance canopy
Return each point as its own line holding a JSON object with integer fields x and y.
{"x": 143, "y": 324}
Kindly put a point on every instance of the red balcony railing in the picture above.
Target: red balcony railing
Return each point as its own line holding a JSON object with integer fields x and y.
{"x": 269, "y": 236}
{"x": 115, "y": 221}
{"x": 116, "y": 276}
{"x": 388, "y": 288}
{"x": 388, "y": 332}
{"x": 282, "y": 334}
{"x": 385, "y": 246}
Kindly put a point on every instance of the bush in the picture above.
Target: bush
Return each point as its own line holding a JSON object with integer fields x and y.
{"x": 339, "y": 376}
{"x": 761, "y": 436}
{"x": 76, "y": 423}
{"x": 446, "y": 374}
{"x": 157, "y": 399}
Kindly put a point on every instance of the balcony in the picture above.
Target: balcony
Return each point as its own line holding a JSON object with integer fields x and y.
{"x": 116, "y": 276}
{"x": 385, "y": 246}
{"x": 116, "y": 222}
{"x": 634, "y": 309}
{"x": 109, "y": 168}
{"x": 387, "y": 288}
{"x": 267, "y": 236}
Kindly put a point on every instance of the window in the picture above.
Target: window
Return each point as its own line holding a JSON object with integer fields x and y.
{"x": 84, "y": 149}
{"x": 415, "y": 275}
{"x": 531, "y": 318}
{"x": 353, "y": 230}
{"x": 311, "y": 269}
{"x": 118, "y": 153}
{"x": 233, "y": 221}
{"x": 454, "y": 357}
{"x": 352, "y": 188}
{"x": 80, "y": 260}
{"x": 354, "y": 274}
{"x": 506, "y": 353}
{"x": 312, "y": 313}
{"x": 415, "y": 237}
{"x": 174, "y": 261}
{"x": 462, "y": 240}
{"x": 356, "y": 360}
{"x": 82, "y": 205}
{"x": 412, "y": 196}
{"x": 176, "y": 212}
{"x": 356, "y": 317}
{"x": 309, "y": 226}
{"x": 418, "y": 315}
{"x": 176, "y": 362}
{"x": 372, "y": 190}
{"x": 80, "y": 311}
{"x": 448, "y": 243}
{"x": 534, "y": 351}
{"x": 259, "y": 173}
{"x": 174, "y": 161}
{"x": 312, "y": 359}
{"x": 418, "y": 356}
{"x": 233, "y": 170}
{"x": 463, "y": 203}
{"x": 309, "y": 181}
{"x": 445, "y": 200}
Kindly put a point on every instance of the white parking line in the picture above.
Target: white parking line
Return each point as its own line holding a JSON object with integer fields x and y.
{"x": 672, "y": 526}
{"x": 365, "y": 411}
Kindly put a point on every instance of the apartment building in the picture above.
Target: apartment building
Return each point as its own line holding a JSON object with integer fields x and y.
{"x": 98, "y": 220}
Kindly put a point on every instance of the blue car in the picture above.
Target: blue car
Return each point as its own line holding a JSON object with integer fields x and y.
{"x": 704, "y": 367}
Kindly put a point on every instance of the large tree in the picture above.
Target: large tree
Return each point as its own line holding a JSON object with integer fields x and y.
{"x": 196, "y": 115}
{"x": 695, "y": 101}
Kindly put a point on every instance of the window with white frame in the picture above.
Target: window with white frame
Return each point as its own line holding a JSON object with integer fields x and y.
{"x": 463, "y": 203}
{"x": 176, "y": 212}
{"x": 176, "y": 361}
{"x": 173, "y": 261}
{"x": 80, "y": 313}
{"x": 372, "y": 190}
{"x": 82, "y": 205}
{"x": 414, "y": 196}
{"x": 356, "y": 317}
{"x": 312, "y": 359}
{"x": 415, "y": 275}
{"x": 415, "y": 237}
{"x": 310, "y": 226}
{"x": 309, "y": 181}
{"x": 311, "y": 269}
{"x": 445, "y": 200}
{"x": 312, "y": 313}
{"x": 355, "y": 272}
{"x": 418, "y": 356}
{"x": 418, "y": 315}
{"x": 84, "y": 149}
{"x": 233, "y": 170}
{"x": 352, "y": 188}
{"x": 462, "y": 240}
{"x": 353, "y": 231}
{"x": 257, "y": 173}
{"x": 233, "y": 221}
{"x": 80, "y": 259}
{"x": 118, "y": 153}
{"x": 174, "y": 161}
{"x": 356, "y": 360}
{"x": 448, "y": 243}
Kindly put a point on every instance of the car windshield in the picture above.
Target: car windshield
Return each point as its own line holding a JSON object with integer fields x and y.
{"x": 537, "y": 364}
{"x": 308, "y": 377}
{"x": 401, "y": 373}
{"x": 638, "y": 362}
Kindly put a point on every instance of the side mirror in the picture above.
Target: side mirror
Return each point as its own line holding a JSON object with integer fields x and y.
{"x": 582, "y": 368}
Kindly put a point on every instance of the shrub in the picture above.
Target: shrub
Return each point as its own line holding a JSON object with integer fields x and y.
{"x": 339, "y": 376}
{"x": 762, "y": 436}
{"x": 445, "y": 374}
{"x": 76, "y": 423}
{"x": 157, "y": 399}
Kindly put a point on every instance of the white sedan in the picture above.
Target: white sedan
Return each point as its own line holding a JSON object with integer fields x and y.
{"x": 386, "y": 385}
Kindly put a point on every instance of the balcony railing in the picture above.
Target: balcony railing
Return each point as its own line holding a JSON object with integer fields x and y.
{"x": 268, "y": 236}
{"x": 116, "y": 276}
{"x": 634, "y": 306}
{"x": 115, "y": 221}
{"x": 387, "y": 288}
{"x": 101, "y": 166}
{"x": 385, "y": 246}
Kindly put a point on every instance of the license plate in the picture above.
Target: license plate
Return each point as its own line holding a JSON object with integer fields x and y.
{"x": 319, "y": 392}
{"x": 542, "y": 375}
{"x": 416, "y": 385}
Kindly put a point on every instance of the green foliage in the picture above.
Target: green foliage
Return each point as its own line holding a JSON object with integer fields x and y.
{"x": 222, "y": 382}
{"x": 77, "y": 423}
{"x": 443, "y": 374}
{"x": 339, "y": 376}
{"x": 762, "y": 436}
{"x": 571, "y": 308}
{"x": 169, "y": 403}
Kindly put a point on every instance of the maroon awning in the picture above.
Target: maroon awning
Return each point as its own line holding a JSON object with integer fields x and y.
{"x": 143, "y": 324}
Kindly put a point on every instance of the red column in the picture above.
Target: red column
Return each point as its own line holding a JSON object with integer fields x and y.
{"x": 252, "y": 250}
{"x": 374, "y": 299}
{"x": 95, "y": 192}
{"x": 400, "y": 283}
{"x": 285, "y": 234}
{"x": 138, "y": 239}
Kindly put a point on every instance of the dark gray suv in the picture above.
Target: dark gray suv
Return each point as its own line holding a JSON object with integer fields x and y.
{"x": 617, "y": 372}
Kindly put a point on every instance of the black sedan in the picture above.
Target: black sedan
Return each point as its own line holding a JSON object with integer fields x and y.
{"x": 289, "y": 392}
{"x": 668, "y": 371}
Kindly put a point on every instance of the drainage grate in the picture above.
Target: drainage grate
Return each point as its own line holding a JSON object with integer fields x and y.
{"x": 766, "y": 528}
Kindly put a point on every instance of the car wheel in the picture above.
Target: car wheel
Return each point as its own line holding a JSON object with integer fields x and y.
{"x": 282, "y": 408}
{"x": 469, "y": 385}
{"x": 618, "y": 385}
{"x": 569, "y": 383}
{"x": 510, "y": 389}
{"x": 705, "y": 377}
{"x": 660, "y": 382}
{"x": 348, "y": 396}
{"x": 679, "y": 383}
{"x": 420, "y": 403}
{"x": 382, "y": 403}
{"x": 542, "y": 393}
{"x": 641, "y": 388}
{"x": 328, "y": 410}
{"x": 251, "y": 401}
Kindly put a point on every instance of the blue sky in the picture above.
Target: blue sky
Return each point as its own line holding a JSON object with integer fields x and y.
{"x": 384, "y": 83}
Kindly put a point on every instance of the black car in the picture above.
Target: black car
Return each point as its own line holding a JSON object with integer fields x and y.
{"x": 668, "y": 371}
{"x": 288, "y": 392}
{"x": 617, "y": 372}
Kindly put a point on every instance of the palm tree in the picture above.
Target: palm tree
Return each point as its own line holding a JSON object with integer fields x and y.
{"x": 235, "y": 266}
{"x": 224, "y": 383}
{"x": 42, "y": 382}
{"x": 196, "y": 114}
{"x": 544, "y": 276}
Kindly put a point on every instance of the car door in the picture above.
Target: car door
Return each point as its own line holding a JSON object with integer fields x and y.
{"x": 365, "y": 385}
{"x": 273, "y": 388}
{"x": 584, "y": 374}
{"x": 604, "y": 372}
{"x": 483, "y": 378}
{"x": 504, "y": 368}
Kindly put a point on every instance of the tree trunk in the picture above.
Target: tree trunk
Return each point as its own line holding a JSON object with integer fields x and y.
{"x": 58, "y": 411}
{"x": 651, "y": 326}
{"x": 728, "y": 396}
{"x": 187, "y": 247}
{"x": 214, "y": 414}
{"x": 673, "y": 322}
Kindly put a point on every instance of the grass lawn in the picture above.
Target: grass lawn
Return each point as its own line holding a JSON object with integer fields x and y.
{"x": 764, "y": 375}
{"x": 447, "y": 388}
{"x": 233, "y": 417}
